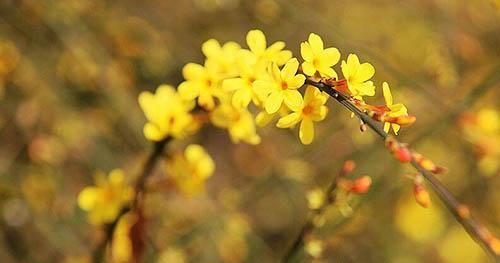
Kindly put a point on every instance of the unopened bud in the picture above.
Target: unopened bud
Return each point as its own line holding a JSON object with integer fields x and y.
{"x": 403, "y": 154}
{"x": 349, "y": 166}
{"x": 421, "y": 195}
{"x": 427, "y": 164}
{"x": 463, "y": 211}
{"x": 405, "y": 120}
{"x": 494, "y": 244}
{"x": 361, "y": 185}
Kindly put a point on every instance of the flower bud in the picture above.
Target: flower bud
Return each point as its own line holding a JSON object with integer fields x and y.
{"x": 361, "y": 185}
{"x": 421, "y": 195}
{"x": 403, "y": 154}
{"x": 349, "y": 166}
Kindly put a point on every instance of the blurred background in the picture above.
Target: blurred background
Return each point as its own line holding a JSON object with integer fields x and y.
{"x": 71, "y": 71}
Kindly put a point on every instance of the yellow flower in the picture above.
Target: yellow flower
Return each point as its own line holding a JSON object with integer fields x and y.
{"x": 281, "y": 86}
{"x": 357, "y": 76}
{"x": 318, "y": 59}
{"x": 395, "y": 110}
{"x": 238, "y": 121}
{"x": 166, "y": 112}
{"x": 121, "y": 247}
{"x": 104, "y": 201}
{"x": 256, "y": 41}
{"x": 191, "y": 169}
{"x": 225, "y": 56}
{"x": 202, "y": 82}
{"x": 312, "y": 110}
{"x": 250, "y": 69}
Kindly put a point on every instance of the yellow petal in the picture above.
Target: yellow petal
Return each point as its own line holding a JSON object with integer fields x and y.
{"x": 198, "y": 157}
{"x": 273, "y": 102}
{"x": 289, "y": 69}
{"x": 308, "y": 68}
{"x": 262, "y": 87}
{"x": 192, "y": 71}
{"x": 365, "y": 72}
{"x": 350, "y": 67}
{"x": 293, "y": 99}
{"x": 233, "y": 84}
{"x": 331, "y": 56}
{"x": 310, "y": 93}
{"x": 116, "y": 177}
{"x": 387, "y": 127}
{"x": 276, "y": 46}
{"x": 241, "y": 98}
{"x": 189, "y": 90}
{"x": 396, "y": 128}
{"x": 296, "y": 82}
{"x": 275, "y": 71}
{"x": 206, "y": 101}
{"x": 147, "y": 104}
{"x": 306, "y": 51}
{"x": 151, "y": 132}
{"x": 323, "y": 110}
{"x": 282, "y": 57}
{"x": 289, "y": 120}
{"x": 387, "y": 94}
{"x": 256, "y": 41}
{"x": 211, "y": 48}
{"x": 87, "y": 198}
{"x": 316, "y": 43}
{"x": 306, "y": 132}
{"x": 328, "y": 72}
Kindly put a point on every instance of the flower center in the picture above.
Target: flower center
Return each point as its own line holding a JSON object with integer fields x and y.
{"x": 307, "y": 110}
{"x": 171, "y": 120}
{"x": 284, "y": 85}
{"x": 315, "y": 62}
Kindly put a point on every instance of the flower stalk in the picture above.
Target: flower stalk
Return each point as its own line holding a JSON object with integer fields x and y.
{"x": 460, "y": 211}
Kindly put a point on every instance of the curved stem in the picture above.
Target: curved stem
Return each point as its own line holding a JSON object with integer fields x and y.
{"x": 477, "y": 231}
{"x": 149, "y": 165}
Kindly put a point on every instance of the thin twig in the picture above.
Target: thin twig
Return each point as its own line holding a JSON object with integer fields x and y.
{"x": 477, "y": 231}
{"x": 309, "y": 225}
{"x": 159, "y": 147}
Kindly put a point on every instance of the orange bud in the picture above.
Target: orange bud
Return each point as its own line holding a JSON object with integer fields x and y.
{"x": 361, "y": 185}
{"x": 349, "y": 166}
{"x": 494, "y": 244}
{"x": 421, "y": 195}
{"x": 403, "y": 154}
{"x": 463, "y": 211}
{"x": 427, "y": 164}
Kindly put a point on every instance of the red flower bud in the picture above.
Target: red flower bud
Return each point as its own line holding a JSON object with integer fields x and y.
{"x": 349, "y": 166}
{"x": 403, "y": 154}
{"x": 361, "y": 185}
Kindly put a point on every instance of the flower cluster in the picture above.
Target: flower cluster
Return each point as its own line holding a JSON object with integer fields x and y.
{"x": 238, "y": 89}
{"x": 235, "y": 81}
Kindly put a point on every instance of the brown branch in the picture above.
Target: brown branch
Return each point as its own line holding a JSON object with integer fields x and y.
{"x": 477, "y": 231}
{"x": 109, "y": 229}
